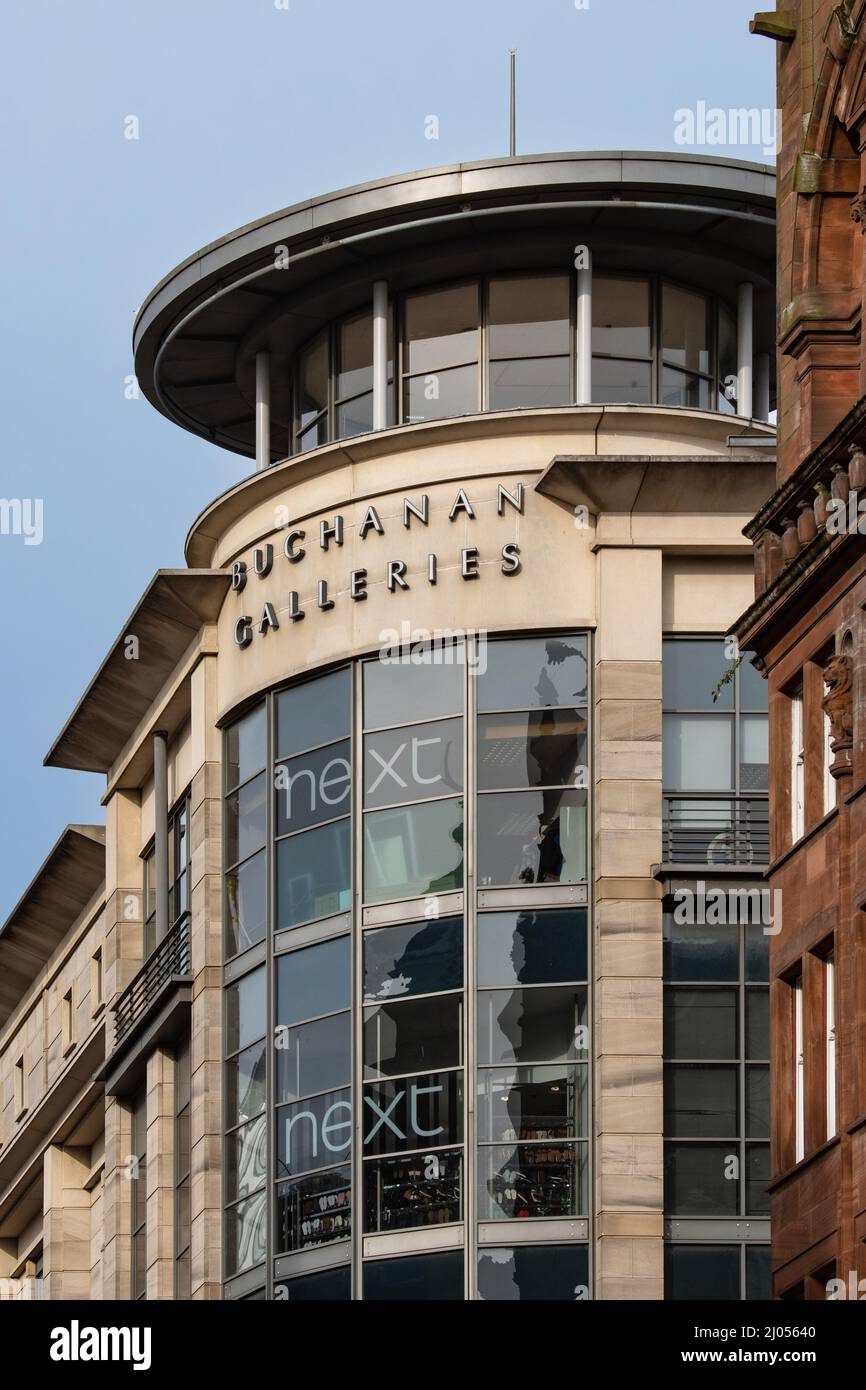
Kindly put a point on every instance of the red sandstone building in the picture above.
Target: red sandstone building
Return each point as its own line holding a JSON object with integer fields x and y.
{"x": 807, "y": 627}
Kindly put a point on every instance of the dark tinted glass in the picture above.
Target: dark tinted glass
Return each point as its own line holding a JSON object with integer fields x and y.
{"x": 245, "y": 1084}
{"x": 758, "y": 1102}
{"x": 701, "y": 1102}
{"x": 620, "y": 381}
{"x": 403, "y": 1115}
{"x": 532, "y": 673}
{"x": 759, "y": 1274}
{"x": 620, "y": 317}
{"x": 441, "y": 328}
{"x": 331, "y": 1286}
{"x": 418, "y": 690}
{"x": 757, "y": 1179}
{"x": 246, "y": 813}
{"x": 314, "y": 1210}
{"x": 532, "y": 1180}
{"x": 313, "y": 378}
{"x": 697, "y": 1181}
{"x": 356, "y": 417}
{"x": 314, "y": 713}
{"x": 246, "y": 904}
{"x": 532, "y": 837}
{"x": 531, "y": 948}
{"x": 415, "y": 1035}
{"x": 702, "y": 1272}
{"x": 691, "y": 671}
{"x": 413, "y": 763}
{"x": 314, "y": 981}
{"x": 753, "y": 686}
{"x": 529, "y": 316}
{"x": 689, "y": 392}
{"x": 313, "y": 1133}
{"x": 686, "y": 328}
{"x": 532, "y": 1025}
{"x": 701, "y": 1023}
{"x": 246, "y": 744}
{"x": 354, "y": 368}
{"x": 758, "y": 941}
{"x": 246, "y": 1017}
{"x": 421, "y": 1278}
{"x": 415, "y": 958}
{"x": 523, "y": 382}
{"x": 412, "y": 851}
{"x": 532, "y": 1103}
{"x": 543, "y": 1273}
{"x": 419, "y": 1190}
{"x": 314, "y": 1057}
{"x": 698, "y": 950}
{"x": 542, "y": 748}
{"x": 312, "y": 788}
{"x": 314, "y": 874}
{"x": 758, "y": 1024}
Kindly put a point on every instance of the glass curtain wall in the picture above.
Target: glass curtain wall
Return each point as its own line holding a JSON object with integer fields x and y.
{"x": 407, "y": 1046}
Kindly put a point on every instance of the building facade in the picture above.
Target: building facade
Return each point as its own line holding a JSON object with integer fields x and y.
{"x": 806, "y": 625}
{"x": 392, "y": 974}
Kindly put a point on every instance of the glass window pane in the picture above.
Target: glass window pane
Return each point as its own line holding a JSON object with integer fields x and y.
{"x": 754, "y": 752}
{"x": 245, "y": 1084}
{"x": 529, "y": 316}
{"x": 522, "y": 382}
{"x": 421, "y": 1278}
{"x": 246, "y": 813}
{"x": 701, "y": 1102}
{"x": 404, "y": 1115}
{"x": 413, "y": 851}
{"x": 314, "y": 874}
{"x": 532, "y": 1025}
{"x": 685, "y": 392}
{"x": 686, "y": 326}
{"x": 701, "y": 1024}
{"x": 757, "y": 1179}
{"x": 429, "y": 686}
{"x": 616, "y": 382}
{"x": 246, "y": 742}
{"x": 354, "y": 368}
{"x": 691, "y": 672}
{"x": 246, "y": 904}
{"x": 314, "y": 1133}
{"x": 540, "y": 1273}
{"x": 533, "y": 1103}
{"x": 314, "y": 1210}
{"x": 246, "y": 1015}
{"x": 758, "y": 1102}
{"x": 355, "y": 417}
{"x": 413, "y": 1036}
{"x": 331, "y": 1286}
{"x": 407, "y": 764}
{"x": 698, "y": 752}
{"x": 439, "y": 395}
{"x": 758, "y": 944}
{"x": 246, "y": 1159}
{"x": 245, "y": 1234}
{"x": 532, "y": 673}
{"x": 621, "y": 317}
{"x": 697, "y": 1181}
{"x": 420, "y": 1190}
{"x": 313, "y": 787}
{"x": 314, "y": 1057}
{"x": 753, "y": 686}
{"x": 759, "y": 1273}
{"x": 702, "y": 1272}
{"x": 758, "y": 1024}
{"x": 440, "y": 328}
{"x": 314, "y": 436}
{"x": 532, "y": 1180}
{"x": 314, "y": 981}
{"x": 531, "y": 837}
{"x": 698, "y": 950}
{"x": 314, "y": 713}
{"x": 531, "y": 948}
{"x": 415, "y": 958}
{"x": 542, "y": 748}
{"x": 313, "y": 379}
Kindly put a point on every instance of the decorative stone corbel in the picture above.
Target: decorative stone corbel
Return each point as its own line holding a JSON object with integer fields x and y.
{"x": 838, "y": 705}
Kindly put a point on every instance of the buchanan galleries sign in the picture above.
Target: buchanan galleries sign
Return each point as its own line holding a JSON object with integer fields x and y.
{"x": 395, "y": 571}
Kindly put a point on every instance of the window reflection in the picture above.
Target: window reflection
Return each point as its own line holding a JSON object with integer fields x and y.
{"x": 532, "y": 1180}
{"x": 541, "y": 748}
{"x": 419, "y": 1190}
{"x": 532, "y": 837}
{"x": 532, "y": 673}
{"x": 413, "y": 851}
{"x": 520, "y": 1103}
{"x": 542, "y": 1273}
{"x": 314, "y": 1210}
{"x": 413, "y": 1035}
{"x": 414, "y": 763}
{"x": 531, "y": 948}
{"x": 532, "y": 1025}
{"x": 416, "y": 958}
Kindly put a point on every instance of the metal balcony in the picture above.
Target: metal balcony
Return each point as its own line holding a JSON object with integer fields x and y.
{"x": 716, "y": 832}
{"x": 169, "y": 963}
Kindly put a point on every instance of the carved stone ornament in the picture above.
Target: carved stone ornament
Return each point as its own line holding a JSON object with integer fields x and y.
{"x": 838, "y": 705}
{"x": 858, "y": 209}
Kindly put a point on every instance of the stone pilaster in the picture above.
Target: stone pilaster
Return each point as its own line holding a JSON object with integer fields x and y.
{"x": 66, "y": 1248}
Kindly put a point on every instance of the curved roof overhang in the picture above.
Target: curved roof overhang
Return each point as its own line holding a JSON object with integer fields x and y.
{"x": 705, "y": 221}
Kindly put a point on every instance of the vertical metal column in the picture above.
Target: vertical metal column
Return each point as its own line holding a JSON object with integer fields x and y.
{"x": 160, "y": 830}
{"x": 762, "y": 386}
{"x": 380, "y": 355}
{"x": 745, "y": 339}
{"x": 512, "y": 103}
{"x": 263, "y": 410}
{"x": 584, "y": 333}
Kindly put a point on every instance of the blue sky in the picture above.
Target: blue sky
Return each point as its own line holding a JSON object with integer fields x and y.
{"x": 244, "y": 106}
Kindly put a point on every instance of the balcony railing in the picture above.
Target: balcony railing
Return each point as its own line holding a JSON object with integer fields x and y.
{"x": 716, "y": 831}
{"x": 170, "y": 961}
